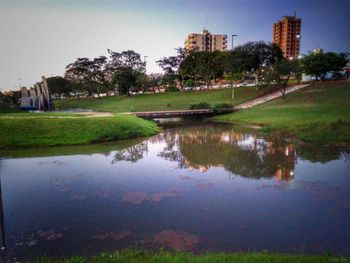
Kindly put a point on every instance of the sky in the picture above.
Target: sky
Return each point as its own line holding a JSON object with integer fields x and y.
{"x": 40, "y": 38}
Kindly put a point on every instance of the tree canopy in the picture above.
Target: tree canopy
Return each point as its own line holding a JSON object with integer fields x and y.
{"x": 318, "y": 64}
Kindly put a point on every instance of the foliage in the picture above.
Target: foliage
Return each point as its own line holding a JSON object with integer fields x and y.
{"x": 10, "y": 99}
{"x": 96, "y": 76}
{"x": 125, "y": 79}
{"x": 280, "y": 73}
{"x": 5, "y": 108}
{"x": 222, "y": 107}
{"x": 58, "y": 86}
{"x": 22, "y": 131}
{"x": 318, "y": 64}
{"x": 252, "y": 57}
{"x": 172, "y": 68}
{"x": 318, "y": 113}
{"x": 201, "y": 105}
{"x": 204, "y": 66}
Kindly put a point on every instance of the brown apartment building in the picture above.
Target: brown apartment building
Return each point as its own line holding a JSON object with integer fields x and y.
{"x": 205, "y": 42}
{"x": 287, "y": 35}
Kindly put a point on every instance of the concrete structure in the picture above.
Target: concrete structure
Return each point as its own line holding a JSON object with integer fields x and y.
{"x": 37, "y": 97}
{"x": 205, "y": 42}
{"x": 287, "y": 35}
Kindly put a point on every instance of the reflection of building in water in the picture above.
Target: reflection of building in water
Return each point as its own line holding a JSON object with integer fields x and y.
{"x": 240, "y": 153}
{"x": 285, "y": 169}
{"x": 201, "y": 168}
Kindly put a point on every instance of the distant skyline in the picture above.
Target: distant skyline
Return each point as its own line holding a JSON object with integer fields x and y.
{"x": 41, "y": 37}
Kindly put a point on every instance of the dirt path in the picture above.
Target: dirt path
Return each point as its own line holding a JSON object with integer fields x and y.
{"x": 96, "y": 114}
{"x": 268, "y": 97}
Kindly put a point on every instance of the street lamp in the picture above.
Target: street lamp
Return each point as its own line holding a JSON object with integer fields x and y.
{"x": 232, "y": 41}
{"x": 144, "y": 61}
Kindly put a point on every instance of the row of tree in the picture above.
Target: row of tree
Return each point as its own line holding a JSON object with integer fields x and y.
{"x": 122, "y": 73}
{"x": 263, "y": 61}
{"x": 125, "y": 72}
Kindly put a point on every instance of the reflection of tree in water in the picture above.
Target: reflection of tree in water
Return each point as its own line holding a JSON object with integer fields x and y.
{"x": 345, "y": 156}
{"x": 170, "y": 151}
{"x": 131, "y": 154}
{"x": 240, "y": 153}
{"x": 319, "y": 153}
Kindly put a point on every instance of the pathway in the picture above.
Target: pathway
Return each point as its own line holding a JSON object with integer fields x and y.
{"x": 268, "y": 97}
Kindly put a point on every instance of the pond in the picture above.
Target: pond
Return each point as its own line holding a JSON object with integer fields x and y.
{"x": 193, "y": 187}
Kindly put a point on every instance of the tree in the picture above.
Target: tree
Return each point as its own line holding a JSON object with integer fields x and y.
{"x": 320, "y": 63}
{"x": 78, "y": 73}
{"x": 125, "y": 79}
{"x": 280, "y": 73}
{"x": 209, "y": 66}
{"x": 172, "y": 66}
{"x": 142, "y": 81}
{"x": 58, "y": 85}
{"x": 233, "y": 77}
{"x": 98, "y": 78}
{"x": 155, "y": 81}
{"x": 254, "y": 56}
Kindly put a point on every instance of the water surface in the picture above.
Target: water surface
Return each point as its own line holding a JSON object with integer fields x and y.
{"x": 197, "y": 187}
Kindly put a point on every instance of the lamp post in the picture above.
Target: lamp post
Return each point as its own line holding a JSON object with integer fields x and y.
{"x": 298, "y": 37}
{"x": 232, "y": 41}
{"x": 144, "y": 61}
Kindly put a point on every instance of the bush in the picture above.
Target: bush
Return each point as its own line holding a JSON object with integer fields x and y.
{"x": 201, "y": 105}
{"x": 172, "y": 88}
{"x": 223, "y": 107}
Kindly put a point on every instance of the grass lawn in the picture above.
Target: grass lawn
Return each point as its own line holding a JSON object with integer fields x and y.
{"x": 131, "y": 256}
{"x": 318, "y": 113}
{"x": 163, "y": 101}
{"x": 28, "y": 131}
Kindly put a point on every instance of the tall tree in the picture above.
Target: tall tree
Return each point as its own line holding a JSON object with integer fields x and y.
{"x": 254, "y": 56}
{"x": 99, "y": 79}
{"x": 172, "y": 66}
{"x": 125, "y": 80}
{"x": 78, "y": 73}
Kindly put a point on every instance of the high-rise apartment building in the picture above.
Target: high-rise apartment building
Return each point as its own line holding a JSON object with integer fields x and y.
{"x": 286, "y": 35}
{"x": 205, "y": 42}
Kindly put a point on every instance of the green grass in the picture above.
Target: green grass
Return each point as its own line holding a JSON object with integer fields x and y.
{"x": 162, "y": 101}
{"x": 21, "y": 131}
{"x": 318, "y": 113}
{"x": 135, "y": 256}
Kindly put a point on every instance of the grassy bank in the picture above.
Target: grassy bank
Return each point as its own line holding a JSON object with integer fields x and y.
{"x": 319, "y": 113}
{"x": 29, "y": 131}
{"x": 130, "y": 256}
{"x": 162, "y": 101}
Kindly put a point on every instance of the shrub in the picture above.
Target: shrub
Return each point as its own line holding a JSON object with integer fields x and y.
{"x": 172, "y": 88}
{"x": 223, "y": 107}
{"x": 201, "y": 105}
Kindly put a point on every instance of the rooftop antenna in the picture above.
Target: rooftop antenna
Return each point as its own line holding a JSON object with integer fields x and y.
{"x": 206, "y": 24}
{"x": 295, "y": 14}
